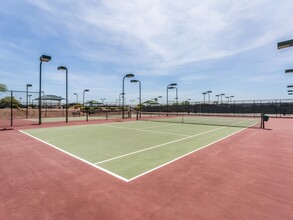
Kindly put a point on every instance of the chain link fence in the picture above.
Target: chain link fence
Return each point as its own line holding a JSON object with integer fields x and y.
{"x": 273, "y": 108}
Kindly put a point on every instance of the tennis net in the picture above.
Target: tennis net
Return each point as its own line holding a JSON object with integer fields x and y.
{"x": 244, "y": 121}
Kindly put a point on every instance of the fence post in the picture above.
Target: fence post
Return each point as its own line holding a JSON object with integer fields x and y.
{"x": 11, "y": 109}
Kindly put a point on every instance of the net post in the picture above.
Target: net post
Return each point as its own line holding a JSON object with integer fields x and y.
{"x": 262, "y": 121}
{"x": 107, "y": 112}
{"x": 137, "y": 113}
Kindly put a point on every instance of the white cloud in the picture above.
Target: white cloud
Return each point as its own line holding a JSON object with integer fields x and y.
{"x": 150, "y": 37}
{"x": 166, "y": 32}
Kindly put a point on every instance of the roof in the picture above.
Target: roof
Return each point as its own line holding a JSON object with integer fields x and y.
{"x": 51, "y": 98}
{"x": 93, "y": 102}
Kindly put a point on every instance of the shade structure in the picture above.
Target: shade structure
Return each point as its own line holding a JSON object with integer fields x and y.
{"x": 50, "y": 98}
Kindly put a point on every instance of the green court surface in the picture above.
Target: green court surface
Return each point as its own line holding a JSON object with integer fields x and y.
{"x": 128, "y": 150}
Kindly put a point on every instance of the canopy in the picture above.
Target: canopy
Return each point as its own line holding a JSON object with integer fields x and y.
{"x": 151, "y": 102}
{"x": 93, "y": 103}
{"x": 51, "y": 98}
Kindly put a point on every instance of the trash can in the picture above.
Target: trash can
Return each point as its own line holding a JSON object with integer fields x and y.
{"x": 266, "y": 117}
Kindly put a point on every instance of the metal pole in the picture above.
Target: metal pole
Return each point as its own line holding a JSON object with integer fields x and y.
{"x": 66, "y": 96}
{"x": 40, "y": 89}
{"x": 11, "y": 110}
{"x": 167, "y": 100}
{"x": 26, "y": 101}
{"x": 176, "y": 95}
{"x": 123, "y": 97}
{"x": 140, "y": 108}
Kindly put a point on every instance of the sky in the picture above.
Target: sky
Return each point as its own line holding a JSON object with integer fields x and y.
{"x": 224, "y": 46}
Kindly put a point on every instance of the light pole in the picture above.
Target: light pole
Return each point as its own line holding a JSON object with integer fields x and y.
{"x": 222, "y": 97}
{"x": 29, "y": 99}
{"x": 135, "y": 81}
{"x": 217, "y": 98}
{"x": 120, "y": 98}
{"x": 157, "y": 99}
{"x": 172, "y": 85}
{"x": 176, "y": 95}
{"x": 204, "y": 97}
{"x": 27, "y": 85}
{"x": 43, "y": 58}
{"x": 86, "y": 90}
{"x": 129, "y": 75}
{"x": 76, "y": 97}
{"x": 232, "y": 96}
{"x": 208, "y": 92}
{"x": 285, "y": 44}
{"x": 66, "y": 106}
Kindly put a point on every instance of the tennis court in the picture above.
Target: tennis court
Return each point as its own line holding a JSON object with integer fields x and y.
{"x": 131, "y": 149}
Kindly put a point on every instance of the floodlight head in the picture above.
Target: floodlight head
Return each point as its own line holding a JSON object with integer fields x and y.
{"x": 232, "y": 96}
{"x": 217, "y": 95}
{"x": 134, "y": 80}
{"x": 290, "y": 90}
{"x": 62, "y": 68}
{"x": 290, "y": 86}
{"x": 171, "y": 87}
{"x": 122, "y": 93}
{"x": 173, "y": 84}
{"x": 160, "y": 96}
{"x": 45, "y": 58}
{"x": 204, "y": 93}
{"x": 222, "y": 94}
{"x": 86, "y": 90}
{"x": 290, "y": 93}
{"x": 75, "y": 93}
{"x": 209, "y": 91}
{"x": 285, "y": 44}
{"x": 289, "y": 71}
{"x": 129, "y": 75}
{"x": 29, "y": 85}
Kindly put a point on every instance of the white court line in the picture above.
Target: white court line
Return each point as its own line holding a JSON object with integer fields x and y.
{"x": 79, "y": 158}
{"x": 116, "y": 175}
{"x": 143, "y": 129}
{"x": 164, "y": 144}
{"x": 171, "y": 161}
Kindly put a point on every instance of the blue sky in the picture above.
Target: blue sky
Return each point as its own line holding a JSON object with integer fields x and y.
{"x": 225, "y": 46}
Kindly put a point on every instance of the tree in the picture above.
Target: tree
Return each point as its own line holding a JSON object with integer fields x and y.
{"x": 3, "y": 87}
{"x": 5, "y": 102}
